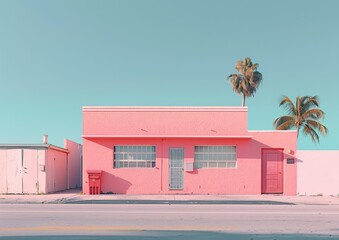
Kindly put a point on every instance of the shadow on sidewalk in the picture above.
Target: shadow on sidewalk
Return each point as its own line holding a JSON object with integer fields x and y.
{"x": 177, "y": 202}
{"x": 181, "y": 235}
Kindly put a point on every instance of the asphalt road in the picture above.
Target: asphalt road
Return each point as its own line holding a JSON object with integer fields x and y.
{"x": 129, "y": 221}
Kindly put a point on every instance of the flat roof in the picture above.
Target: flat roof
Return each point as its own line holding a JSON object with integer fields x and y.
{"x": 163, "y": 109}
{"x": 32, "y": 146}
{"x": 165, "y": 136}
{"x": 273, "y": 131}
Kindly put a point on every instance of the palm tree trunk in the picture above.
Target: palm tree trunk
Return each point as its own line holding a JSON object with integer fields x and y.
{"x": 243, "y": 100}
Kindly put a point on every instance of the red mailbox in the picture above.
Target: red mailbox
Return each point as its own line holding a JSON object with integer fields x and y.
{"x": 94, "y": 181}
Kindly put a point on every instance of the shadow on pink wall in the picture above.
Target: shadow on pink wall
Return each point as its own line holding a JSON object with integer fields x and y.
{"x": 109, "y": 178}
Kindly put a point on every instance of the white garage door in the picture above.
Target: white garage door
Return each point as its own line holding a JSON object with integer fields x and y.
{"x": 21, "y": 171}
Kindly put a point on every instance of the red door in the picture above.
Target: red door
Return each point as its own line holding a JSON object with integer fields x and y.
{"x": 272, "y": 171}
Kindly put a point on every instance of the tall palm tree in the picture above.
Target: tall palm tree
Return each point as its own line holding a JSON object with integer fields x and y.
{"x": 304, "y": 115}
{"x": 247, "y": 80}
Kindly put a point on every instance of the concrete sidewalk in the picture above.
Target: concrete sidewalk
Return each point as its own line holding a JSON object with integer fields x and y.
{"x": 75, "y": 196}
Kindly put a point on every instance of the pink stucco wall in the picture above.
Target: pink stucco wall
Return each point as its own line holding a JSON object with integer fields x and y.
{"x": 74, "y": 163}
{"x": 318, "y": 172}
{"x": 164, "y": 121}
{"x": 287, "y": 140}
{"x": 41, "y": 154}
{"x": 180, "y": 127}
{"x": 156, "y": 180}
{"x": 56, "y": 170}
{"x": 3, "y": 171}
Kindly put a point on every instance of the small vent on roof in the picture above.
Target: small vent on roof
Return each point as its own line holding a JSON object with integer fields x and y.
{"x": 45, "y": 139}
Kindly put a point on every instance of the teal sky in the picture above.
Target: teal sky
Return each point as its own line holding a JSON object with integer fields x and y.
{"x": 57, "y": 56}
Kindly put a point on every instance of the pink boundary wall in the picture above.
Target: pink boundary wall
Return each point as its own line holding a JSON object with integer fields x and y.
{"x": 184, "y": 127}
{"x": 56, "y": 170}
{"x": 74, "y": 163}
{"x": 318, "y": 172}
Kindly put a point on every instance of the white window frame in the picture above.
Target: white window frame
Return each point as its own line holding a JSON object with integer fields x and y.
{"x": 134, "y": 156}
{"x": 215, "y": 156}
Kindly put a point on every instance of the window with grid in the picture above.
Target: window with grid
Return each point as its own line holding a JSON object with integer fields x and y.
{"x": 134, "y": 156}
{"x": 215, "y": 157}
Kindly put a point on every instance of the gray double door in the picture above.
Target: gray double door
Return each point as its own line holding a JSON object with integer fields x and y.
{"x": 176, "y": 168}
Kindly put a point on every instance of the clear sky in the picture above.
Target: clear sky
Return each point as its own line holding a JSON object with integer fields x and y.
{"x": 57, "y": 56}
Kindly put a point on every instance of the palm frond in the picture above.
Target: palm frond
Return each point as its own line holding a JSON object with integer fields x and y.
{"x": 298, "y": 101}
{"x": 248, "y": 62}
{"x": 314, "y": 113}
{"x": 318, "y": 126}
{"x": 256, "y": 79}
{"x": 234, "y": 80}
{"x": 249, "y": 71}
{"x": 308, "y": 130}
{"x": 312, "y": 101}
{"x": 284, "y": 123}
{"x": 231, "y": 76}
{"x": 308, "y": 103}
{"x": 255, "y": 66}
{"x": 288, "y": 105}
{"x": 240, "y": 66}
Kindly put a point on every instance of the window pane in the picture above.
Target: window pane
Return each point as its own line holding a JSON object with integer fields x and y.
{"x": 222, "y": 164}
{"x": 134, "y": 156}
{"x": 231, "y": 164}
{"x": 132, "y": 164}
{"x": 213, "y": 164}
{"x": 142, "y": 164}
{"x": 215, "y": 156}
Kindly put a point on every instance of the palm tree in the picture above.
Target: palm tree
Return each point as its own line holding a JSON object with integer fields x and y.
{"x": 247, "y": 80}
{"x": 304, "y": 115}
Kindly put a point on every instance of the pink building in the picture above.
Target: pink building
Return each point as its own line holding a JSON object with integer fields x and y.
{"x": 185, "y": 150}
{"x": 39, "y": 168}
